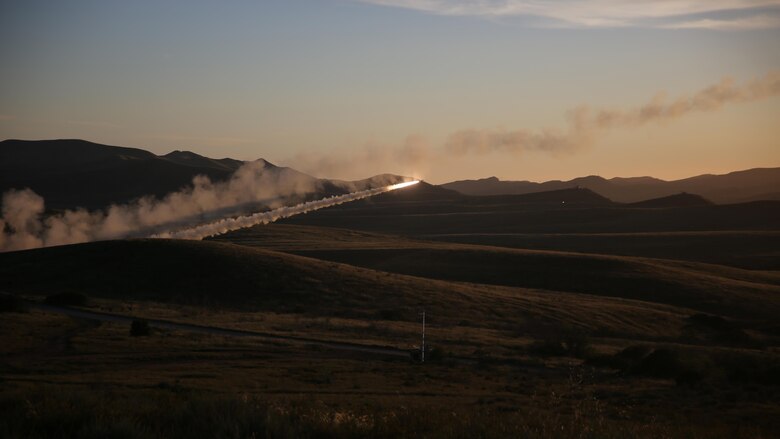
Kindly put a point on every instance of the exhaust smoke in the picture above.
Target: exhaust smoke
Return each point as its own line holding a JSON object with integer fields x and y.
{"x": 179, "y": 215}
{"x": 24, "y": 223}
{"x": 230, "y": 224}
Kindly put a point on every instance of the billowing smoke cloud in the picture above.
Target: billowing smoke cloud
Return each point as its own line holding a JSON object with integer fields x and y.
{"x": 586, "y": 125}
{"x": 23, "y": 224}
{"x": 404, "y": 159}
{"x": 229, "y": 224}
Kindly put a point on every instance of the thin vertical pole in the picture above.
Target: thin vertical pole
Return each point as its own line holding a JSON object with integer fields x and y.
{"x": 422, "y": 347}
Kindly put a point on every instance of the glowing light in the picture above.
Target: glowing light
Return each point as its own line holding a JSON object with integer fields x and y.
{"x": 226, "y": 225}
{"x": 393, "y": 187}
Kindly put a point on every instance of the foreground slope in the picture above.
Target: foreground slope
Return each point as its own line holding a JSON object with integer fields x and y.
{"x": 210, "y": 273}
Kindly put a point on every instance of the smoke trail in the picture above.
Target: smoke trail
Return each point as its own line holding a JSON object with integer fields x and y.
{"x": 586, "y": 125}
{"x": 23, "y": 224}
{"x": 230, "y": 224}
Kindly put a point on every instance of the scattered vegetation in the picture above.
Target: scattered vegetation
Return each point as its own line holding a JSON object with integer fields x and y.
{"x": 568, "y": 342}
{"x": 691, "y": 367}
{"x": 167, "y": 413}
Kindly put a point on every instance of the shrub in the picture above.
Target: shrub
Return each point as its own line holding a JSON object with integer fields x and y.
{"x": 570, "y": 343}
{"x": 624, "y": 360}
{"x": 69, "y": 298}
{"x": 140, "y": 328}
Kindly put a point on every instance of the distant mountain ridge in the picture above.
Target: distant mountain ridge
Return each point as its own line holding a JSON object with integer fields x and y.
{"x": 72, "y": 173}
{"x": 735, "y": 187}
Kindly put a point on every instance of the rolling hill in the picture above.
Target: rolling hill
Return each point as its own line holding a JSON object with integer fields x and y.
{"x": 244, "y": 278}
{"x": 71, "y": 173}
{"x": 704, "y": 287}
{"x": 734, "y": 187}
{"x": 679, "y": 200}
{"x": 430, "y": 213}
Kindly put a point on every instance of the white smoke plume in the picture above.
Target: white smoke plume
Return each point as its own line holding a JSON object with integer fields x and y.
{"x": 405, "y": 159}
{"x": 230, "y": 224}
{"x": 23, "y": 224}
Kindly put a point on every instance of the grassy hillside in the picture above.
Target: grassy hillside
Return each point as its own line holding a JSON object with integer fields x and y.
{"x": 710, "y": 288}
{"x": 748, "y": 249}
{"x": 210, "y": 273}
{"x": 503, "y": 215}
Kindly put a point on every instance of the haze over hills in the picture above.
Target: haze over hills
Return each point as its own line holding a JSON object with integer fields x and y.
{"x": 734, "y": 187}
{"x": 72, "y": 173}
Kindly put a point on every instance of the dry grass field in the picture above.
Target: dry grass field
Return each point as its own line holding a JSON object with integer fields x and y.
{"x": 523, "y": 342}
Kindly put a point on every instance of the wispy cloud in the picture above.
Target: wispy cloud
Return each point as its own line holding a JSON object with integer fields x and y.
{"x": 745, "y": 23}
{"x": 611, "y": 13}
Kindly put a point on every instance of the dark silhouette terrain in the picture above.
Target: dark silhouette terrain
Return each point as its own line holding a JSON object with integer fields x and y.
{"x": 554, "y": 313}
{"x": 71, "y": 173}
{"x": 734, "y": 187}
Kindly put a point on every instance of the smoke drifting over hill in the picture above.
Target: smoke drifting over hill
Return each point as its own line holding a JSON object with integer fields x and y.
{"x": 23, "y": 224}
{"x": 205, "y": 209}
{"x": 585, "y": 126}
{"x": 229, "y": 224}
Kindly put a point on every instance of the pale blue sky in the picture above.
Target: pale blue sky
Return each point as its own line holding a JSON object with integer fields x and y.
{"x": 318, "y": 83}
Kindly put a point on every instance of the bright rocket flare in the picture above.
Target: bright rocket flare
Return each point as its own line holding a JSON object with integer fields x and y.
{"x": 230, "y": 224}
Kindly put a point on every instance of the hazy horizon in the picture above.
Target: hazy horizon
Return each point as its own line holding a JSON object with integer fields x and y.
{"x": 435, "y": 90}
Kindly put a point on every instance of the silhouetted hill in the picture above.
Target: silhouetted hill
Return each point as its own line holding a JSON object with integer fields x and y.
{"x": 679, "y": 200}
{"x": 72, "y": 173}
{"x": 739, "y": 186}
{"x": 577, "y": 195}
{"x": 422, "y": 191}
{"x": 76, "y": 173}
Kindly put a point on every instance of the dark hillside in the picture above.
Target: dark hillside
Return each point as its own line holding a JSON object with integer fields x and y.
{"x": 680, "y": 200}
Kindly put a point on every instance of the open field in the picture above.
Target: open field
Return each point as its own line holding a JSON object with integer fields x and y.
{"x": 704, "y": 287}
{"x": 99, "y": 380}
{"x": 583, "y": 335}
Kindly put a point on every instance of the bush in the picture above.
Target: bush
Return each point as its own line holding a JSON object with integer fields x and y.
{"x": 570, "y": 343}
{"x": 686, "y": 368}
{"x": 69, "y": 298}
{"x": 140, "y": 328}
{"x": 9, "y": 303}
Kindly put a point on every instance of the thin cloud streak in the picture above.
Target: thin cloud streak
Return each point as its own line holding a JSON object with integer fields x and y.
{"x": 746, "y": 23}
{"x": 606, "y": 13}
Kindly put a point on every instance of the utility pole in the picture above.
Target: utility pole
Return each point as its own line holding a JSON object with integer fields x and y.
{"x": 422, "y": 346}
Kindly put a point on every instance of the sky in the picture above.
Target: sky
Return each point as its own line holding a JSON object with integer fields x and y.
{"x": 435, "y": 89}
